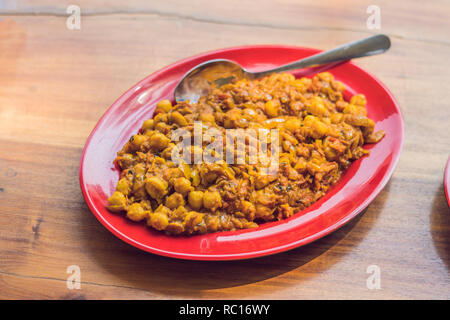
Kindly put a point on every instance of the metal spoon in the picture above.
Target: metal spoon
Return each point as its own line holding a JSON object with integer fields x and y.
{"x": 197, "y": 82}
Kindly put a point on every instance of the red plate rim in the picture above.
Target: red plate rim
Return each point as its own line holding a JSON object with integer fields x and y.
{"x": 258, "y": 253}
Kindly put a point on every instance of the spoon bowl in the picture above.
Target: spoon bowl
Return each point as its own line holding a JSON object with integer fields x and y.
{"x": 198, "y": 81}
{"x": 215, "y": 73}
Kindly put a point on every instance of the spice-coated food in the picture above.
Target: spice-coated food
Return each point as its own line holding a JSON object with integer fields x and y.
{"x": 319, "y": 135}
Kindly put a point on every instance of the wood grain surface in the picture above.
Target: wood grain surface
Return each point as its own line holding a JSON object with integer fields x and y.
{"x": 55, "y": 83}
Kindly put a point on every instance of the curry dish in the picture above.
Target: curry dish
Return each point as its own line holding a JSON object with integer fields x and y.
{"x": 319, "y": 135}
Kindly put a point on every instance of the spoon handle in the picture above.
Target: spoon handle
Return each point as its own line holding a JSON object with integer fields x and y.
{"x": 366, "y": 47}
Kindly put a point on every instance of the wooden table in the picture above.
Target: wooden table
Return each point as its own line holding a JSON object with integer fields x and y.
{"x": 55, "y": 83}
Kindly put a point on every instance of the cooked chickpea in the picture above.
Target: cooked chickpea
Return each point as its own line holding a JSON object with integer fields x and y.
{"x": 212, "y": 200}
{"x": 292, "y": 124}
{"x": 359, "y": 120}
{"x": 162, "y": 127}
{"x": 336, "y": 118}
{"x": 359, "y": 100}
{"x": 156, "y": 187}
{"x": 139, "y": 169}
{"x": 117, "y": 202}
{"x": 212, "y": 223}
{"x": 178, "y": 118}
{"x": 195, "y": 178}
{"x": 325, "y": 76}
{"x": 261, "y": 181}
{"x": 308, "y": 120}
{"x": 362, "y": 111}
{"x": 182, "y": 185}
{"x": 125, "y": 160}
{"x": 193, "y": 218}
{"x": 355, "y": 109}
{"x": 286, "y": 211}
{"x": 300, "y": 165}
{"x": 207, "y": 117}
{"x": 248, "y": 209}
{"x": 299, "y": 85}
{"x": 159, "y": 141}
{"x": 175, "y": 200}
{"x": 148, "y": 125}
{"x": 159, "y": 160}
{"x": 186, "y": 169}
{"x": 172, "y": 173}
{"x": 158, "y": 220}
{"x": 271, "y": 109}
{"x": 330, "y": 153}
{"x": 164, "y": 105}
{"x": 290, "y": 138}
{"x": 138, "y": 140}
{"x": 167, "y": 152}
{"x": 124, "y": 186}
{"x": 263, "y": 212}
{"x": 175, "y": 227}
{"x": 338, "y": 86}
{"x": 306, "y": 81}
{"x": 195, "y": 199}
{"x": 160, "y": 118}
{"x": 349, "y": 109}
{"x": 319, "y": 128}
{"x": 250, "y": 225}
{"x": 163, "y": 209}
{"x": 317, "y": 107}
{"x": 136, "y": 212}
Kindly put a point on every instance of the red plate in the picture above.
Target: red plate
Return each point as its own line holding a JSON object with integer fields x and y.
{"x": 357, "y": 188}
{"x": 447, "y": 181}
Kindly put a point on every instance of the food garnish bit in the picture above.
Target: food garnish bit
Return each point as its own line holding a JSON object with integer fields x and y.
{"x": 319, "y": 134}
